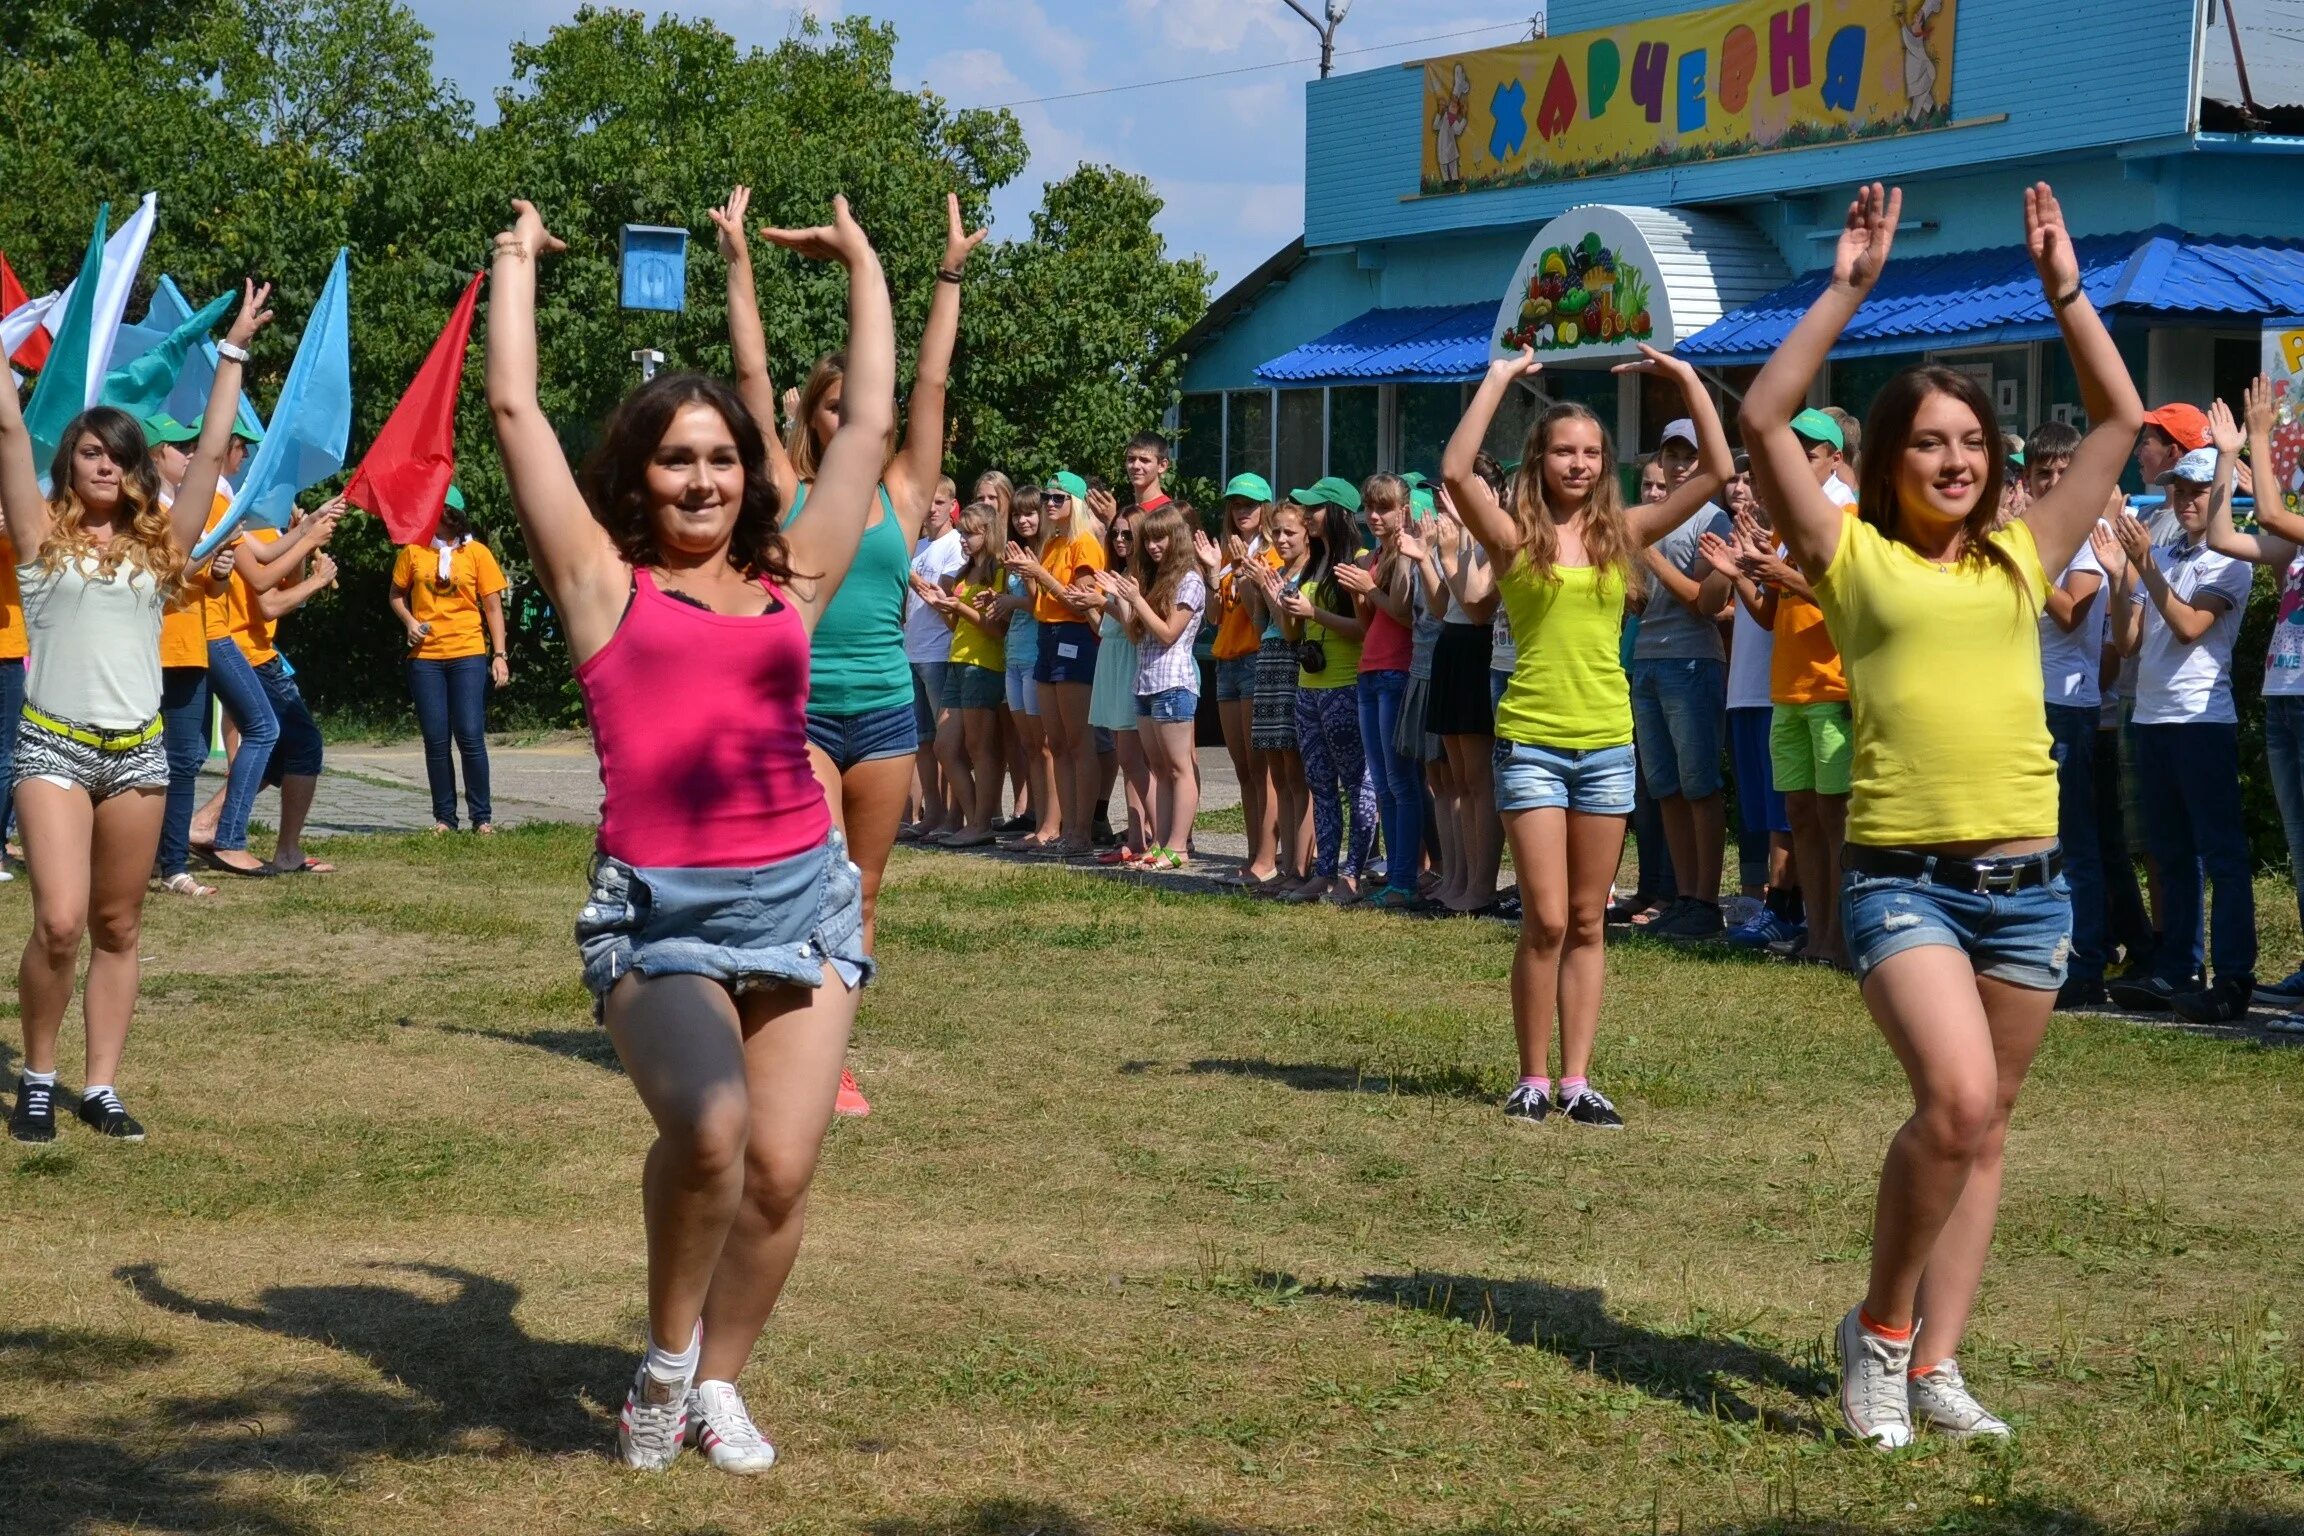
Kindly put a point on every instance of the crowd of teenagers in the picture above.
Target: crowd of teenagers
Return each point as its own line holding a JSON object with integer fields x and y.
{"x": 1922, "y": 640}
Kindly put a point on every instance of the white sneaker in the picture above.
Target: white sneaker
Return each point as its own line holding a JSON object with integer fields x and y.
{"x": 1874, "y": 1402}
{"x": 6, "y": 874}
{"x": 654, "y": 1422}
{"x": 720, "y": 1426}
{"x": 1941, "y": 1400}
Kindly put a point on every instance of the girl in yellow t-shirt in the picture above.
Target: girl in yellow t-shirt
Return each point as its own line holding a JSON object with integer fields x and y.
{"x": 976, "y": 682}
{"x": 1564, "y": 550}
{"x": 450, "y": 599}
{"x": 1952, "y": 905}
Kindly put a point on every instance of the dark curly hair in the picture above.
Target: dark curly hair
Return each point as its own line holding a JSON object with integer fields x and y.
{"x": 615, "y": 477}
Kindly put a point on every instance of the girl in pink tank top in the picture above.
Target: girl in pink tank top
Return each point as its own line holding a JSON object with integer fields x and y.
{"x": 722, "y": 938}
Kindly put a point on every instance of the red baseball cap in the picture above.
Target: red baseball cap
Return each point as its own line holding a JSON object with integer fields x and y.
{"x": 2188, "y": 424}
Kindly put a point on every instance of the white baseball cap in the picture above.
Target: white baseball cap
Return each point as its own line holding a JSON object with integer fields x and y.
{"x": 2198, "y": 467}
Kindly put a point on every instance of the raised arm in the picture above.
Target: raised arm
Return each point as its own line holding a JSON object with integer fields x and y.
{"x": 912, "y": 478}
{"x": 23, "y": 507}
{"x": 1808, "y": 521}
{"x": 823, "y": 544}
{"x": 2223, "y": 537}
{"x": 1715, "y": 461}
{"x": 196, "y": 493}
{"x": 2272, "y": 514}
{"x": 283, "y": 601}
{"x": 748, "y": 343}
{"x": 1485, "y": 518}
{"x": 585, "y": 578}
{"x": 264, "y": 564}
{"x": 2061, "y": 520}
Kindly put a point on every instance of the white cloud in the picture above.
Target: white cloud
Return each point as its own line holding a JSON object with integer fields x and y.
{"x": 1063, "y": 50}
{"x": 972, "y": 77}
{"x": 1221, "y": 26}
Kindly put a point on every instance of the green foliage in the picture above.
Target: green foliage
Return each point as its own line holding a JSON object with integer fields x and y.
{"x": 276, "y": 130}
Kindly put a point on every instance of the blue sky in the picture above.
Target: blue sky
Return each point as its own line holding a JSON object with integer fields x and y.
{"x": 1227, "y": 153}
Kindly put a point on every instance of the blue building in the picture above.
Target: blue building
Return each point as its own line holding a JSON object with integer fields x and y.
{"x": 1632, "y": 177}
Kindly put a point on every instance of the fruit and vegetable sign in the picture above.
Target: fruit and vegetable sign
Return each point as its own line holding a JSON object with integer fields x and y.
{"x": 1587, "y": 285}
{"x": 1702, "y": 85}
{"x": 2284, "y": 366}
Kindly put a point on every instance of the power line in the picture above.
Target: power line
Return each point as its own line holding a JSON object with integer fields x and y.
{"x": 1250, "y": 69}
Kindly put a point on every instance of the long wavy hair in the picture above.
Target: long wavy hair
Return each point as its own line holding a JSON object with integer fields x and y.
{"x": 1331, "y": 537}
{"x": 800, "y": 442}
{"x": 1607, "y": 537}
{"x": 143, "y": 535}
{"x": 1173, "y": 522}
{"x": 1889, "y": 430}
{"x": 615, "y": 477}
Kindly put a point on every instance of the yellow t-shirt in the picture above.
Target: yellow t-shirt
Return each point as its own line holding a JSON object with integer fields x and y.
{"x": 971, "y": 646}
{"x": 1944, "y": 686}
{"x": 451, "y": 607}
{"x": 1568, "y": 688}
{"x": 13, "y": 643}
{"x": 1064, "y": 559}
{"x": 1343, "y": 669}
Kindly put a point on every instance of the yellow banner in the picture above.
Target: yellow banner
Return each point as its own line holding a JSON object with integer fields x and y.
{"x": 1702, "y": 85}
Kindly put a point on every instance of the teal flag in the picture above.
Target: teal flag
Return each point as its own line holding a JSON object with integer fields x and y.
{"x": 149, "y": 380}
{"x": 61, "y": 392}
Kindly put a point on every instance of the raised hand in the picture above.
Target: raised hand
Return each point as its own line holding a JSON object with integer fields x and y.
{"x": 1653, "y": 361}
{"x": 1019, "y": 559}
{"x": 1235, "y": 550}
{"x": 255, "y": 313}
{"x": 2223, "y": 431}
{"x": 1871, "y": 230}
{"x": 1723, "y": 556}
{"x": 728, "y": 218}
{"x": 221, "y": 563}
{"x": 2261, "y": 406}
{"x": 528, "y": 237}
{"x": 1410, "y": 546}
{"x": 2105, "y": 544}
{"x": 958, "y": 242}
{"x": 324, "y": 570}
{"x": 1517, "y": 367}
{"x": 1205, "y": 551}
{"x": 2050, "y": 242}
{"x": 842, "y": 240}
{"x": 1103, "y": 504}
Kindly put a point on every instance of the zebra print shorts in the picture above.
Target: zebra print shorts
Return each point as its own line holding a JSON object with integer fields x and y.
{"x": 42, "y": 754}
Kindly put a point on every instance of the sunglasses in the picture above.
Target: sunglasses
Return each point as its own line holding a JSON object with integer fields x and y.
{"x": 1055, "y": 498}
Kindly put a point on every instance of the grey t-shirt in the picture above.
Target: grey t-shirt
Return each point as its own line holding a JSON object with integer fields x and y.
{"x": 1670, "y": 630}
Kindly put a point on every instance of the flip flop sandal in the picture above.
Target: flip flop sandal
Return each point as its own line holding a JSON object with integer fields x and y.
{"x": 185, "y": 885}
{"x": 310, "y": 866}
{"x": 214, "y": 861}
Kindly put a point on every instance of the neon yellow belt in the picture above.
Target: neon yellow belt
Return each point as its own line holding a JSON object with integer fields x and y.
{"x": 102, "y": 741}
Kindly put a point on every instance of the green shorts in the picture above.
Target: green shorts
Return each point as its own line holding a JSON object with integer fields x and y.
{"x": 1810, "y": 746}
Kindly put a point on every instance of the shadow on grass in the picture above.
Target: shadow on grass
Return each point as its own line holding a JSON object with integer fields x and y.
{"x": 1323, "y": 1077}
{"x": 465, "y": 1354}
{"x": 590, "y": 1046}
{"x": 1699, "y": 1373}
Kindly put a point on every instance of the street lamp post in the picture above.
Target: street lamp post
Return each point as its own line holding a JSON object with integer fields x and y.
{"x": 1326, "y": 29}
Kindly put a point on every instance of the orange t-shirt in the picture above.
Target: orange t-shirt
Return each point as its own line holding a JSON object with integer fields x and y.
{"x": 1804, "y": 668}
{"x": 1082, "y": 551}
{"x": 13, "y": 646}
{"x": 451, "y": 608}
{"x": 1238, "y": 635}
{"x": 249, "y": 628}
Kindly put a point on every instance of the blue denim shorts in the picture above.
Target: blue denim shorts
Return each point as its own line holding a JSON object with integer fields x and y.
{"x": 1679, "y": 712}
{"x": 865, "y": 738}
{"x": 298, "y": 752}
{"x": 2023, "y": 938}
{"x": 1235, "y": 678}
{"x": 968, "y": 686}
{"x": 928, "y": 696}
{"x": 1023, "y": 692}
{"x": 1067, "y": 654}
{"x": 1168, "y": 706}
{"x": 1595, "y": 782}
{"x": 777, "y": 925}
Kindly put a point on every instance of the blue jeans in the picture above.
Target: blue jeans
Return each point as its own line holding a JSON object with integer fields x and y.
{"x": 2073, "y": 731}
{"x": 1679, "y": 713}
{"x": 2284, "y": 755}
{"x": 184, "y": 735}
{"x": 452, "y": 706}
{"x": 11, "y": 714}
{"x": 2190, "y": 781}
{"x": 1399, "y": 780}
{"x": 241, "y": 692}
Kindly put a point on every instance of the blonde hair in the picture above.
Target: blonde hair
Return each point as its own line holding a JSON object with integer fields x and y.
{"x": 1607, "y": 536}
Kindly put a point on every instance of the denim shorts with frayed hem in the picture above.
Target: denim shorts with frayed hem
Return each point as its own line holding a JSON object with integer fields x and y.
{"x": 2023, "y": 938}
{"x": 1593, "y": 782}
{"x": 1168, "y": 706}
{"x": 865, "y": 738}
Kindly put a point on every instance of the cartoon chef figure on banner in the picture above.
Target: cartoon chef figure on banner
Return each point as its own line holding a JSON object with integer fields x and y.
{"x": 1912, "y": 18}
{"x": 1450, "y": 123}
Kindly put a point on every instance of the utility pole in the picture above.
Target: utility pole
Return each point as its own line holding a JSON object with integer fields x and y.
{"x": 1327, "y": 29}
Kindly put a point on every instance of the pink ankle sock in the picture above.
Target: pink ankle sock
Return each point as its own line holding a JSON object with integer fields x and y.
{"x": 1540, "y": 1084}
{"x": 1569, "y": 1088}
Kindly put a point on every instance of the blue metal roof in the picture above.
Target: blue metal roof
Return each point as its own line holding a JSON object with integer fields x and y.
{"x": 1979, "y": 298}
{"x": 1433, "y": 344}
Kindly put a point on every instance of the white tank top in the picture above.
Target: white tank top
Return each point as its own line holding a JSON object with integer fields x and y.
{"x": 94, "y": 642}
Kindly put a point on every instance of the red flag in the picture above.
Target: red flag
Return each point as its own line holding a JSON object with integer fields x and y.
{"x": 407, "y": 469}
{"x": 34, "y": 353}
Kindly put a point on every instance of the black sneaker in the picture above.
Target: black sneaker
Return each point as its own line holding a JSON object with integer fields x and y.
{"x": 2142, "y": 994}
{"x": 2225, "y": 1002}
{"x": 1691, "y": 920}
{"x": 104, "y": 1114}
{"x": 34, "y": 1117}
{"x": 2080, "y": 994}
{"x": 1591, "y": 1107}
{"x": 1527, "y": 1103}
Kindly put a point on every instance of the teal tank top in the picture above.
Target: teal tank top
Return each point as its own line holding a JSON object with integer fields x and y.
{"x": 856, "y": 661}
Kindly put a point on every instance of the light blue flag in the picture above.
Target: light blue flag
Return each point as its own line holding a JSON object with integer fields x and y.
{"x": 311, "y": 423}
{"x": 189, "y": 400}
{"x": 149, "y": 379}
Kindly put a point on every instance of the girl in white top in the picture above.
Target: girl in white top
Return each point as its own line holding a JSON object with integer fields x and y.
{"x": 104, "y": 557}
{"x": 1162, "y": 599}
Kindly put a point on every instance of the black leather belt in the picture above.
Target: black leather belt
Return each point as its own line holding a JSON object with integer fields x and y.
{"x": 1996, "y": 877}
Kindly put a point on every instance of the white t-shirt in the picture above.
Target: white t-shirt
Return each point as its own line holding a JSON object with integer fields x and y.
{"x": 1836, "y": 492}
{"x": 2180, "y": 684}
{"x": 2070, "y": 663}
{"x": 926, "y": 636}
{"x": 2284, "y": 657}
{"x": 1749, "y": 653}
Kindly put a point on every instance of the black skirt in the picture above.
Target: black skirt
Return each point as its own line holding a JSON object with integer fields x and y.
{"x": 1459, "y": 705}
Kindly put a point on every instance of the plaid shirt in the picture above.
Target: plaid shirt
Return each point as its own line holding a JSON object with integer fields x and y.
{"x": 1159, "y": 669}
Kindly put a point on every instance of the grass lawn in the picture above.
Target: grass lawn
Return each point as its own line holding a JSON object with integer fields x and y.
{"x": 1178, "y": 1214}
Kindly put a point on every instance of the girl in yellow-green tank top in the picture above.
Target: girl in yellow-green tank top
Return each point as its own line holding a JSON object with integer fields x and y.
{"x": 1565, "y": 550}
{"x": 1952, "y": 904}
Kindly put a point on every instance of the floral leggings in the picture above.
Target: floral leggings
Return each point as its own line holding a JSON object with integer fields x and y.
{"x": 1328, "y": 737}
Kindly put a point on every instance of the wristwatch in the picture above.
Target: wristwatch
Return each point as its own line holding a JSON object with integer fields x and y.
{"x": 237, "y": 353}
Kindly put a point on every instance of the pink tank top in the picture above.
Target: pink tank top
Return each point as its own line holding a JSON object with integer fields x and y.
{"x": 698, "y": 720}
{"x": 1387, "y": 647}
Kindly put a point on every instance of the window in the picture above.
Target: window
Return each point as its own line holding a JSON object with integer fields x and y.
{"x": 1200, "y": 456}
{"x": 1508, "y": 430}
{"x": 1250, "y": 413}
{"x": 1352, "y": 433}
{"x": 1592, "y": 388}
{"x": 1428, "y": 417}
{"x": 1303, "y": 446}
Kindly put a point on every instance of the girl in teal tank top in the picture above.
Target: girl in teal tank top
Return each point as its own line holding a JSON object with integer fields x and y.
{"x": 856, "y": 662}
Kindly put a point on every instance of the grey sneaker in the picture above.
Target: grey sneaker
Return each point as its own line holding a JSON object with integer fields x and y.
{"x": 1941, "y": 1400}
{"x": 1874, "y": 1402}
{"x": 721, "y": 1427}
{"x": 654, "y": 1422}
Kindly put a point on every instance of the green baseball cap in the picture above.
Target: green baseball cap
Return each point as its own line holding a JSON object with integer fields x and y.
{"x": 1331, "y": 489}
{"x": 1248, "y": 488}
{"x": 1069, "y": 483}
{"x": 165, "y": 428}
{"x": 1420, "y": 500}
{"x": 246, "y": 434}
{"x": 1414, "y": 480}
{"x": 1817, "y": 427}
{"x": 454, "y": 498}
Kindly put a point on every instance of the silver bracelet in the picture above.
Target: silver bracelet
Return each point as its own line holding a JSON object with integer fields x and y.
{"x": 237, "y": 353}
